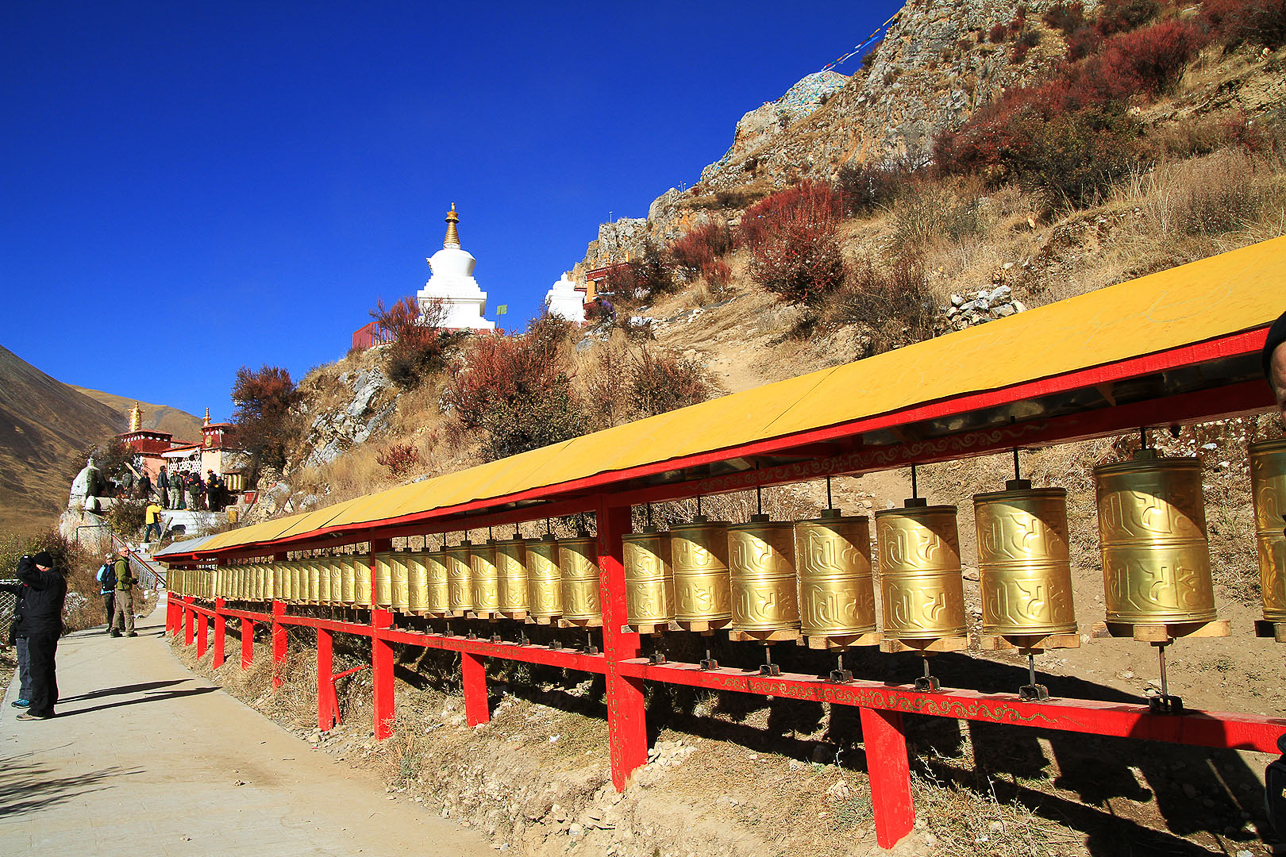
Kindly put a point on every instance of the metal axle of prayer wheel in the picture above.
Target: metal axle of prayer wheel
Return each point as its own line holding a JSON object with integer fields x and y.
{"x": 1025, "y": 572}
{"x": 1268, "y": 494}
{"x": 836, "y": 586}
{"x": 544, "y": 579}
{"x": 702, "y": 586}
{"x": 511, "y": 577}
{"x": 761, "y": 570}
{"x": 459, "y": 578}
{"x": 649, "y": 582}
{"x": 921, "y": 584}
{"x": 485, "y": 578}
{"x": 1156, "y": 559}
{"x": 582, "y": 601}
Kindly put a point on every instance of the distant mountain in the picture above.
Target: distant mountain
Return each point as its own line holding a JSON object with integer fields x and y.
{"x": 45, "y": 429}
{"x": 181, "y": 424}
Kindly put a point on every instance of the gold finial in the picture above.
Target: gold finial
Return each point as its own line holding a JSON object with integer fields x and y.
{"x": 452, "y": 240}
{"x": 136, "y": 418}
{"x": 207, "y": 417}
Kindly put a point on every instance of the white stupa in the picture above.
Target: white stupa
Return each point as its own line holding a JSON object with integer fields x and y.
{"x": 453, "y": 284}
{"x": 564, "y": 301}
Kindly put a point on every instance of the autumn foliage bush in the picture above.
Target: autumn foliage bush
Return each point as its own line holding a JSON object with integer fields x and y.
{"x": 420, "y": 346}
{"x": 1257, "y": 22}
{"x": 399, "y": 459}
{"x": 793, "y": 242}
{"x": 265, "y": 419}
{"x": 696, "y": 253}
{"x": 892, "y": 303}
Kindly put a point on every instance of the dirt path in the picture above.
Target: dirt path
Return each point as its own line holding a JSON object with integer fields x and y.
{"x": 145, "y": 757}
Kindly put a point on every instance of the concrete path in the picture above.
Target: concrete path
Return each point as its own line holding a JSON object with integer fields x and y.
{"x": 146, "y": 758}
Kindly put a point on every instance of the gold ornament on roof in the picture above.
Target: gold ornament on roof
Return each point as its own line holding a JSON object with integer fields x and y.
{"x": 452, "y": 241}
{"x": 207, "y": 417}
{"x": 136, "y": 418}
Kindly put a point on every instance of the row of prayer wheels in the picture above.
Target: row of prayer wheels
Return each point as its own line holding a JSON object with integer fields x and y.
{"x": 817, "y": 575}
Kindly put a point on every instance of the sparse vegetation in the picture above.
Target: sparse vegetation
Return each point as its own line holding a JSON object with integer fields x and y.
{"x": 420, "y": 347}
{"x": 793, "y": 243}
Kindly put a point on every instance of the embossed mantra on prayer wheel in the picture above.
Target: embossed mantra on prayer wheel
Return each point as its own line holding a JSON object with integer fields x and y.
{"x": 836, "y": 587}
{"x": 1152, "y": 523}
{"x": 649, "y": 582}
{"x": 459, "y": 577}
{"x": 362, "y": 580}
{"x": 348, "y": 580}
{"x": 761, "y": 569}
{"x": 293, "y": 589}
{"x": 511, "y": 576}
{"x": 417, "y": 582}
{"x": 323, "y": 579}
{"x": 1024, "y": 568}
{"x": 314, "y": 580}
{"x": 699, "y": 560}
{"x": 578, "y": 560}
{"x": 384, "y": 579}
{"x": 278, "y": 582}
{"x": 486, "y": 585}
{"x": 401, "y": 581}
{"x": 1268, "y": 492}
{"x": 920, "y": 581}
{"x": 544, "y": 578}
{"x": 435, "y": 562}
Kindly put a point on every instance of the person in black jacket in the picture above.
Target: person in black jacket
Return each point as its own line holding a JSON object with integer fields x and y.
{"x": 18, "y": 639}
{"x": 1275, "y": 363}
{"x": 42, "y": 619}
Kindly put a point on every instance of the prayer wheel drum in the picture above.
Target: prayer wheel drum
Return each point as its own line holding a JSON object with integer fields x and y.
{"x": 384, "y": 579}
{"x": 294, "y": 591}
{"x": 348, "y": 580}
{"x": 313, "y": 565}
{"x": 401, "y": 581}
{"x": 1024, "y": 567}
{"x": 1268, "y": 492}
{"x": 459, "y": 577}
{"x": 336, "y": 566}
{"x": 362, "y": 594}
{"x": 278, "y": 582}
{"x": 544, "y": 578}
{"x": 699, "y": 561}
{"x": 323, "y": 579}
{"x": 761, "y": 570}
{"x": 417, "y": 582}
{"x": 578, "y": 560}
{"x": 649, "y": 582}
{"x": 511, "y": 576}
{"x": 921, "y": 586}
{"x": 486, "y": 585}
{"x": 836, "y": 586}
{"x": 1152, "y": 524}
{"x": 435, "y": 563}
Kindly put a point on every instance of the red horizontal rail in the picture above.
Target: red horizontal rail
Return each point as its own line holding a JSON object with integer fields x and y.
{"x": 246, "y": 614}
{"x": 1201, "y": 729}
{"x": 526, "y": 652}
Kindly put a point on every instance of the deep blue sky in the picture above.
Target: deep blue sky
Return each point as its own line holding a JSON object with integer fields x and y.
{"x": 192, "y": 187}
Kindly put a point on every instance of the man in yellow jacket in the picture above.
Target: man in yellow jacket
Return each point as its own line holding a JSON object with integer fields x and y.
{"x": 153, "y": 521}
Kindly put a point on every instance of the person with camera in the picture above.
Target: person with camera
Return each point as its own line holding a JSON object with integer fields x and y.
{"x": 42, "y": 621}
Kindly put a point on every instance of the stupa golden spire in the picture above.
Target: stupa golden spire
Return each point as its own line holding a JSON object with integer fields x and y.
{"x": 136, "y": 418}
{"x": 452, "y": 241}
{"x": 207, "y": 417}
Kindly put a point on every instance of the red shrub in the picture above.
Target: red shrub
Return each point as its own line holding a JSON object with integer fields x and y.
{"x": 794, "y": 249}
{"x": 1259, "y": 22}
{"x": 997, "y": 34}
{"x": 1153, "y": 58}
{"x": 808, "y": 200}
{"x": 420, "y": 346}
{"x": 718, "y": 274}
{"x": 1121, "y": 16}
{"x": 399, "y": 459}
{"x": 695, "y": 252}
{"x": 1067, "y": 17}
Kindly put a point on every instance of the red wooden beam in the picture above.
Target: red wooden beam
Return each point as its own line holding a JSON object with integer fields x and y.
{"x": 888, "y": 766}
{"x": 247, "y": 643}
{"x": 477, "y": 709}
{"x": 568, "y": 659}
{"x": 219, "y": 629}
{"x": 626, "y": 714}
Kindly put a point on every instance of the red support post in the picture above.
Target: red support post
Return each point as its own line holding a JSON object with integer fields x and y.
{"x": 890, "y": 775}
{"x": 327, "y": 702}
{"x": 626, "y": 713}
{"x": 202, "y": 629}
{"x": 278, "y": 642}
{"x": 247, "y": 643}
{"x": 476, "y": 708}
{"x": 381, "y": 655}
{"x": 220, "y": 626}
{"x": 187, "y": 620}
{"x": 171, "y": 614}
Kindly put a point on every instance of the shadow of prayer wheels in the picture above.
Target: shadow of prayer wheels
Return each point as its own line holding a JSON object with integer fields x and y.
{"x": 544, "y": 578}
{"x": 1152, "y": 523}
{"x": 699, "y": 561}
{"x": 1268, "y": 492}
{"x": 836, "y": 586}
{"x": 761, "y": 571}
{"x": 1024, "y": 567}
{"x": 511, "y": 576}
{"x": 649, "y": 582}
{"x": 921, "y": 585}
{"x": 485, "y": 578}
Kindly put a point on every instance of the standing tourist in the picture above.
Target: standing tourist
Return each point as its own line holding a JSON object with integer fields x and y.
{"x": 145, "y": 486}
{"x": 42, "y": 619}
{"x": 163, "y": 488}
{"x": 18, "y": 639}
{"x": 107, "y": 584}
{"x": 123, "y": 615}
{"x": 176, "y": 490}
{"x": 153, "y": 520}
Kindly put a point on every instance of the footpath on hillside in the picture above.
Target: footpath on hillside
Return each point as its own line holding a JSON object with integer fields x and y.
{"x": 147, "y": 758}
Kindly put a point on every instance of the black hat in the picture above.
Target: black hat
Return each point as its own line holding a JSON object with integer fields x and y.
{"x": 43, "y": 559}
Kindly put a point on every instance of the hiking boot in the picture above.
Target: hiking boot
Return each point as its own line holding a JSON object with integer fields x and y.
{"x": 115, "y": 633}
{"x": 131, "y": 634}
{"x": 20, "y": 703}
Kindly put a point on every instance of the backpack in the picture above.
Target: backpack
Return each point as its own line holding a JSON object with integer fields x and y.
{"x": 109, "y": 576}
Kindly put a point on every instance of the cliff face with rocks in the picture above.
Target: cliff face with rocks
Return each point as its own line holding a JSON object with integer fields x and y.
{"x": 935, "y": 66}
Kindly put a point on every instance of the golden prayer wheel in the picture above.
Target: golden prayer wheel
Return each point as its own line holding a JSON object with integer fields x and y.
{"x": 1152, "y": 523}
{"x": 323, "y": 579}
{"x": 263, "y": 582}
{"x": 290, "y": 576}
{"x": 336, "y": 565}
{"x": 1024, "y": 568}
{"x": 278, "y": 582}
{"x": 1268, "y": 492}
{"x": 401, "y": 570}
{"x": 363, "y": 596}
{"x": 435, "y": 563}
{"x": 314, "y": 580}
{"x": 836, "y": 587}
{"x": 578, "y": 560}
{"x": 699, "y": 560}
{"x": 649, "y": 582}
{"x": 459, "y": 577}
{"x": 920, "y": 581}
{"x": 486, "y": 584}
{"x": 761, "y": 570}
{"x": 417, "y": 582}
{"x": 384, "y": 579}
{"x": 544, "y": 578}
{"x": 348, "y": 580}
{"x": 511, "y": 576}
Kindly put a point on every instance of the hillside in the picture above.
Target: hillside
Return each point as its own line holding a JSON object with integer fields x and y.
{"x": 46, "y": 427}
{"x": 181, "y": 424}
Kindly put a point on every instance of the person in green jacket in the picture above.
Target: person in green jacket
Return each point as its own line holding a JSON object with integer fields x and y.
{"x": 123, "y": 613}
{"x": 176, "y": 490}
